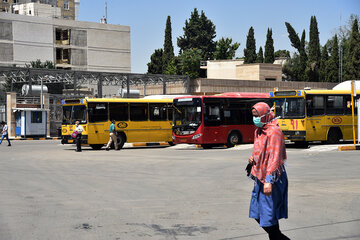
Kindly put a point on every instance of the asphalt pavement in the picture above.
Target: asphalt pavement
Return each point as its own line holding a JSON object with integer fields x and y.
{"x": 48, "y": 191}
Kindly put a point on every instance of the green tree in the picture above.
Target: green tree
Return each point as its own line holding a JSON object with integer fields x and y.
{"x": 168, "y": 54}
{"x": 225, "y": 49}
{"x": 301, "y": 75}
{"x": 293, "y": 36}
{"x": 282, "y": 53}
{"x": 189, "y": 62}
{"x": 173, "y": 68}
{"x": 352, "y": 65}
{"x": 199, "y": 33}
{"x": 297, "y": 66}
{"x": 314, "y": 57}
{"x": 250, "y": 50}
{"x": 269, "y": 47}
{"x": 155, "y": 66}
{"x": 324, "y": 59}
{"x": 332, "y": 65}
{"x": 260, "y": 56}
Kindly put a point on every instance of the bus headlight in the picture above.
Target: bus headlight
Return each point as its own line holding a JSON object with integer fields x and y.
{"x": 196, "y": 136}
{"x": 173, "y": 137}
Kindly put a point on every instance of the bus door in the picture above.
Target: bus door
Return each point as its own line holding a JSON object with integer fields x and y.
{"x": 158, "y": 120}
{"x": 214, "y": 129}
{"x": 316, "y": 127}
{"x": 139, "y": 129}
{"x": 98, "y": 125}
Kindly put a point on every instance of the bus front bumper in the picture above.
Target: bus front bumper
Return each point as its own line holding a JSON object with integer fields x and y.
{"x": 295, "y": 135}
{"x": 67, "y": 139}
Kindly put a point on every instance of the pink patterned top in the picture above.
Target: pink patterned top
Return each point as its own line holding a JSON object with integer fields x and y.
{"x": 269, "y": 150}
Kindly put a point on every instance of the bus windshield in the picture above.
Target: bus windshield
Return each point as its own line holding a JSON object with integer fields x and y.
{"x": 71, "y": 114}
{"x": 187, "y": 111}
{"x": 290, "y": 107}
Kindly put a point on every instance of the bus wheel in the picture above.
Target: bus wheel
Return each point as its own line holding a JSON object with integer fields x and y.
{"x": 121, "y": 140}
{"x": 233, "y": 139}
{"x": 171, "y": 143}
{"x": 334, "y": 136}
{"x": 206, "y": 146}
{"x": 96, "y": 146}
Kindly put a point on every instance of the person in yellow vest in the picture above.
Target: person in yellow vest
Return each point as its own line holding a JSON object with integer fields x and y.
{"x": 113, "y": 137}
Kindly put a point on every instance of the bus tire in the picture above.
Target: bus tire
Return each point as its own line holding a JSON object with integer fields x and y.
{"x": 96, "y": 146}
{"x": 233, "y": 139}
{"x": 334, "y": 136}
{"x": 121, "y": 139}
{"x": 206, "y": 146}
{"x": 171, "y": 143}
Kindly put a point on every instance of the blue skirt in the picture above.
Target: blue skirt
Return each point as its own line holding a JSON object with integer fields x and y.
{"x": 269, "y": 209}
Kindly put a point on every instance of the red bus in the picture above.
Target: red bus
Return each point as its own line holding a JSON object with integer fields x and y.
{"x": 209, "y": 121}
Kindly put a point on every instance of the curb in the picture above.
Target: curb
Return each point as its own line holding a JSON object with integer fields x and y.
{"x": 149, "y": 144}
{"x": 349, "y": 148}
{"x": 36, "y": 138}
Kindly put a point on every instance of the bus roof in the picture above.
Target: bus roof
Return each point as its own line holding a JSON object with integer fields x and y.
{"x": 231, "y": 95}
{"x": 132, "y": 100}
{"x": 302, "y": 93}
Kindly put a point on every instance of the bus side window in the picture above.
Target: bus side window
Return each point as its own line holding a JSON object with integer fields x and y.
{"x": 348, "y": 110}
{"x": 315, "y": 105}
{"x": 170, "y": 112}
{"x": 119, "y": 111}
{"x": 157, "y": 111}
{"x": 334, "y": 105}
{"x": 138, "y": 111}
{"x": 98, "y": 112}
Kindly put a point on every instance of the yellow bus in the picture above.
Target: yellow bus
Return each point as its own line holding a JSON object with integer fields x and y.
{"x": 315, "y": 115}
{"x": 137, "y": 120}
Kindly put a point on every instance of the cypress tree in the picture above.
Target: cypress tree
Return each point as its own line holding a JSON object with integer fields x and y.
{"x": 352, "y": 65}
{"x": 269, "y": 47}
{"x": 314, "y": 52}
{"x": 168, "y": 54}
{"x": 332, "y": 65}
{"x": 303, "y": 59}
{"x": 260, "y": 57}
{"x": 323, "y": 62}
{"x": 250, "y": 50}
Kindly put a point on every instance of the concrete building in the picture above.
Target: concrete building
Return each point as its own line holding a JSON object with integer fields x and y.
{"x": 68, "y": 8}
{"x": 236, "y": 69}
{"x": 69, "y": 44}
{"x": 259, "y": 71}
{"x": 37, "y": 9}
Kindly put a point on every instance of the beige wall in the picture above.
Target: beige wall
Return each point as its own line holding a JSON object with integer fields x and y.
{"x": 247, "y": 72}
{"x": 225, "y": 69}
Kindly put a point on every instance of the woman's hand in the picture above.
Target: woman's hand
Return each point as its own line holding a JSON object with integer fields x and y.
{"x": 267, "y": 189}
{"x": 251, "y": 160}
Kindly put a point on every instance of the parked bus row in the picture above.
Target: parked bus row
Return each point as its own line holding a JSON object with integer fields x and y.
{"x": 217, "y": 120}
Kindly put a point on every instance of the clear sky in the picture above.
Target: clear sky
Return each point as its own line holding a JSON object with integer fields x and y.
{"x": 232, "y": 19}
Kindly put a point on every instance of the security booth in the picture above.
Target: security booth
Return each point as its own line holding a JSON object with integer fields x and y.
{"x": 30, "y": 122}
{"x": 28, "y": 116}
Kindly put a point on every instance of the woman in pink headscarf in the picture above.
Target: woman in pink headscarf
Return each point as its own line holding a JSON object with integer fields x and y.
{"x": 269, "y": 196}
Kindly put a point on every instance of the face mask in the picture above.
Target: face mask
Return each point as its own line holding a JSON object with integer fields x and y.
{"x": 257, "y": 121}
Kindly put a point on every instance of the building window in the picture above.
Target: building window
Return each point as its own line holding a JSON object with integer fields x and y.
{"x": 62, "y": 36}
{"x": 5, "y": 1}
{"x": 36, "y": 117}
{"x": 63, "y": 55}
{"x": 66, "y": 5}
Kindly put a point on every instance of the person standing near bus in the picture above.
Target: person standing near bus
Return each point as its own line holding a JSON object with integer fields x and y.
{"x": 270, "y": 194}
{"x": 4, "y": 133}
{"x": 78, "y": 129}
{"x": 113, "y": 137}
